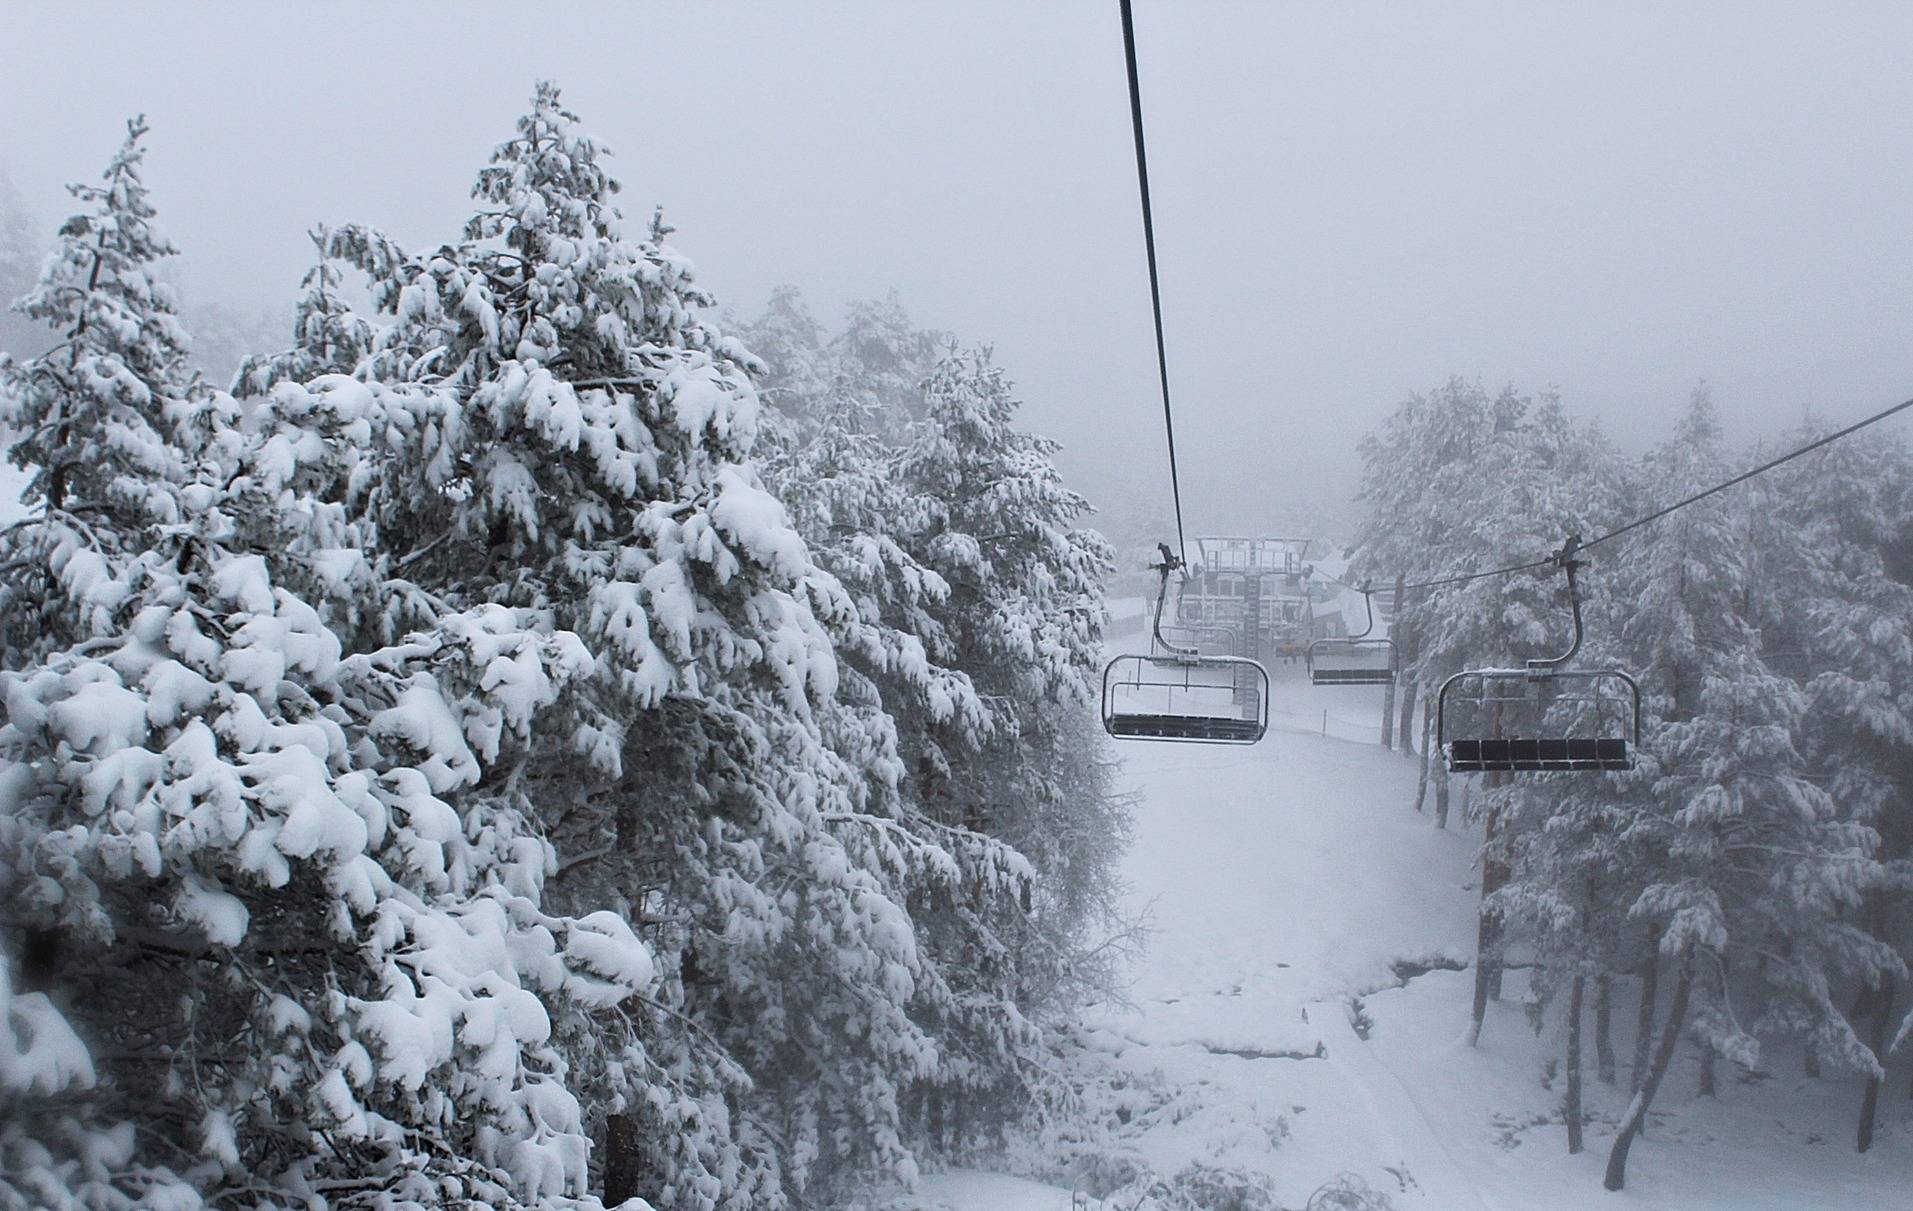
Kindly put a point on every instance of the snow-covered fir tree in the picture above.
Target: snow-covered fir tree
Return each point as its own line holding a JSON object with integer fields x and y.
{"x": 107, "y": 422}
{"x": 1846, "y": 517}
{"x": 884, "y": 443}
{"x": 276, "y": 933}
{"x": 586, "y": 464}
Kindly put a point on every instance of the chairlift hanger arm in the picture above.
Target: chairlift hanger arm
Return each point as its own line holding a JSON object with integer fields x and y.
{"x": 1566, "y": 561}
{"x": 1368, "y": 603}
{"x": 1169, "y": 563}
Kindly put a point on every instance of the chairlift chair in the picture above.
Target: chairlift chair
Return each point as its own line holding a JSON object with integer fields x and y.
{"x": 1353, "y": 659}
{"x": 1178, "y": 692}
{"x": 1565, "y": 719}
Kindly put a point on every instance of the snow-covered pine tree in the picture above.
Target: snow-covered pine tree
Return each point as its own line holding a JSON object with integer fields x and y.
{"x": 844, "y": 403}
{"x": 328, "y": 337}
{"x": 593, "y": 468}
{"x": 1459, "y": 480}
{"x": 1024, "y": 618}
{"x": 1845, "y": 521}
{"x": 274, "y": 927}
{"x": 107, "y": 422}
{"x": 1755, "y": 862}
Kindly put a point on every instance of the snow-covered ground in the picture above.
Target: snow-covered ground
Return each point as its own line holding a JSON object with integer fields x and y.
{"x": 1284, "y": 881}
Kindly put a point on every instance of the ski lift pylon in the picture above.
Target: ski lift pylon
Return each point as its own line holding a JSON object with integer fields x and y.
{"x": 1602, "y": 709}
{"x": 1353, "y": 659}
{"x": 1182, "y": 693}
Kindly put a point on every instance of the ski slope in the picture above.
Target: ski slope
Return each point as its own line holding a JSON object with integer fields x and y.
{"x": 1283, "y": 883}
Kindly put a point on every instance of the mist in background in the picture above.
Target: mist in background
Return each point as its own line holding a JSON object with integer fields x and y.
{"x": 1354, "y": 202}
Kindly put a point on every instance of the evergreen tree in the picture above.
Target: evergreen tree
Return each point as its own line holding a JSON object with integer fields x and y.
{"x": 328, "y": 337}
{"x": 107, "y": 423}
{"x": 883, "y": 447}
{"x": 593, "y": 468}
{"x": 276, "y": 933}
{"x": 1846, "y": 516}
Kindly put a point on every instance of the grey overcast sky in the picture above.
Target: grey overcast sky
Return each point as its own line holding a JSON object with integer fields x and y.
{"x": 1354, "y": 201}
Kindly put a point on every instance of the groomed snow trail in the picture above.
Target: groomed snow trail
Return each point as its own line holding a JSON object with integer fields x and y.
{"x": 1282, "y": 882}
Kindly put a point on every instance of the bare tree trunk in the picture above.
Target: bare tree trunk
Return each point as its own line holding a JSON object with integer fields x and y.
{"x": 1663, "y": 1055}
{"x": 1388, "y": 717}
{"x": 1810, "y": 1061}
{"x": 1441, "y": 792}
{"x": 1388, "y": 692}
{"x": 1571, "y": 1110}
{"x": 1421, "y": 783}
{"x": 623, "y": 1160}
{"x": 1644, "y": 1025}
{"x": 1714, "y": 977}
{"x": 1870, "y": 1100}
{"x": 1479, "y": 1010}
{"x": 1406, "y": 650}
{"x": 1604, "y": 1028}
{"x": 1494, "y": 876}
{"x": 1487, "y": 936}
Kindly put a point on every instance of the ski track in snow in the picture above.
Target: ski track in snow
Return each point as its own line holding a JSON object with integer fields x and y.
{"x": 1281, "y": 882}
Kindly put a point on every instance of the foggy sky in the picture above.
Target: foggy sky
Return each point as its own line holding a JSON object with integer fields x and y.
{"x": 1352, "y": 201}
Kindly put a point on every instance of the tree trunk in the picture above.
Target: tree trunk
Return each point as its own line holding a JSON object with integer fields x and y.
{"x": 1604, "y": 1028}
{"x": 1421, "y": 782}
{"x": 1487, "y": 936}
{"x": 1663, "y": 1055}
{"x": 1571, "y": 1109}
{"x": 1389, "y": 728}
{"x": 1388, "y": 717}
{"x": 1714, "y": 976}
{"x": 1406, "y": 650}
{"x": 1479, "y": 1010}
{"x": 1644, "y": 1026}
{"x": 1870, "y": 1100}
{"x": 1494, "y": 875}
{"x": 623, "y": 1160}
{"x": 1441, "y": 792}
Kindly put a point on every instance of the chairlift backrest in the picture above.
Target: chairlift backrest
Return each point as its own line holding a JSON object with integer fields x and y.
{"x": 1598, "y": 728}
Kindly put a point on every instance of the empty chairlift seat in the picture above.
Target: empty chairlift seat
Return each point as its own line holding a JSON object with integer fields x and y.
{"x": 1351, "y": 662}
{"x": 1543, "y": 717}
{"x": 1212, "y": 699}
{"x": 1538, "y": 721}
{"x": 1353, "y": 659}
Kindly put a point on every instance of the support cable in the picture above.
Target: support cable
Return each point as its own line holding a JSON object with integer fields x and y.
{"x": 1155, "y": 286}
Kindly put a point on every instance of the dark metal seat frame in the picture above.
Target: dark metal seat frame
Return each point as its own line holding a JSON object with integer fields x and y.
{"x": 1205, "y": 729}
{"x": 1324, "y": 671}
{"x": 1497, "y": 754}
